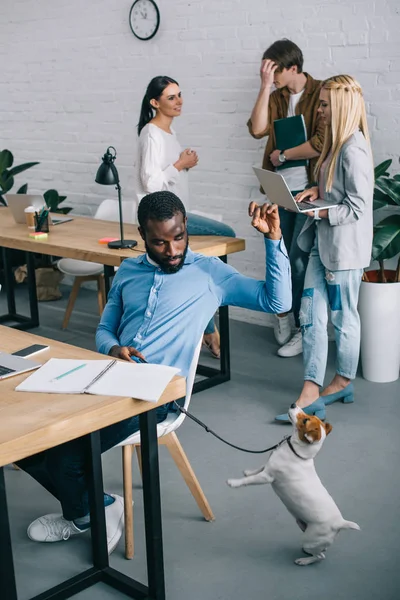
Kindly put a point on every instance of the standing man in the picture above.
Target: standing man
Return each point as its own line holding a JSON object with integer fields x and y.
{"x": 296, "y": 93}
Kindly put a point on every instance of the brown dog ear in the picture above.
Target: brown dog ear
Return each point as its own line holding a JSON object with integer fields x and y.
{"x": 328, "y": 428}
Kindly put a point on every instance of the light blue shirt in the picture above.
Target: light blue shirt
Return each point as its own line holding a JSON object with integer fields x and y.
{"x": 164, "y": 315}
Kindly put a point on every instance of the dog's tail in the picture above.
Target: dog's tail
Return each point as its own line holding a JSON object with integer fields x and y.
{"x": 350, "y": 525}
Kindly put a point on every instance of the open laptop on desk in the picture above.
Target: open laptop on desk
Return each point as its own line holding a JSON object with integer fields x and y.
{"x": 11, "y": 365}
{"x": 277, "y": 192}
{"x": 17, "y": 203}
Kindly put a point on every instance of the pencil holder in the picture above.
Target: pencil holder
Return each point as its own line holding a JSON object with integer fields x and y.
{"x": 42, "y": 223}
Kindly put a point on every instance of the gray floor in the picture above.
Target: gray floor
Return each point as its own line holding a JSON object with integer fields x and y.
{"x": 248, "y": 552}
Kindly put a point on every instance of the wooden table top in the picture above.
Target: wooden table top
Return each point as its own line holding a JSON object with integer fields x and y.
{"x": 79, "y": 239}
{"x": 32, "y": 422}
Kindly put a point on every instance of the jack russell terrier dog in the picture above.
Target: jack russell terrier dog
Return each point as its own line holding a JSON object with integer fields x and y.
{"x": 290, "y": 469}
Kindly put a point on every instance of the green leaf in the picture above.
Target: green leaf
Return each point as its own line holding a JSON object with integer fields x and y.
{"x": 397, "y": 177}
{"x": 6, "y": 184}
{"x": 53, "y": 200}
{"x": 6, "y": 160}
{"x": 382, "y": 168}
{"x": 381, "y": 199}
{"x": 21, "y": 168}
{"x": 386, "y": 242}
{"x": 391, "y": 187}
{"x": 23, "y": 189}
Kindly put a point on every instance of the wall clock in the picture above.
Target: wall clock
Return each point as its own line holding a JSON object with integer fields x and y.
{"x": 144, "y": 19}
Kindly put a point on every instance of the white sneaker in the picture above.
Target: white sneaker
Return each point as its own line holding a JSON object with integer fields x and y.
{"x": 282, "y": 329}
{"x": 114, "y": 522}
{"x": 52, "y": 528}
{"x": 293, "y": 347}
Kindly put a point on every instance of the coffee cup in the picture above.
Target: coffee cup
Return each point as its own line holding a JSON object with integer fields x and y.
{"x": 30, "y": 216}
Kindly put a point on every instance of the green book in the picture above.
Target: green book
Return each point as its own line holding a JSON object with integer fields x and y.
{"x": 290, "y": 132}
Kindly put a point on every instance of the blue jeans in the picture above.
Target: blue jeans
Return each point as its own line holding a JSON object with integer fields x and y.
{"x": 198, "y": 225}
{"x": 291, "y": 225}
{"x": 62, "y": 470}
{"x": 339, "y": 291}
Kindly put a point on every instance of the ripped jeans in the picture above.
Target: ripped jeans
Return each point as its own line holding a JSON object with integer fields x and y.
{"x": 338, "y": 290}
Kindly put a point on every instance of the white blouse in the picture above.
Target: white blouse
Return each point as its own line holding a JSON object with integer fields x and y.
{"x": 155, "y": 171}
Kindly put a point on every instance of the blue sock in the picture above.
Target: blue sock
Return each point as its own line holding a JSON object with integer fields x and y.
{"x": 84, "y": 522}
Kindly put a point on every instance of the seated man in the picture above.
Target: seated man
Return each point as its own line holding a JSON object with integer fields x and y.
{"x": 158, "y": 307}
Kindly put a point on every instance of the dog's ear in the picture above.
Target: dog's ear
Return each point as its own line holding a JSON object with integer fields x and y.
{"x": 328, "y": 428}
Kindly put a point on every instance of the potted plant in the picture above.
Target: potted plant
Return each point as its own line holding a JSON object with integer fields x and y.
{"x": 379, "y": 303}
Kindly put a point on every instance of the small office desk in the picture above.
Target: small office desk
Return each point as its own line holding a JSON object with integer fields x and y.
{"x": 79, "y": 239}
{"x": 35, "y": 422}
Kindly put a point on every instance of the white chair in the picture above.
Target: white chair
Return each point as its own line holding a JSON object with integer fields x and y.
{"x": 83, "y": 270}
{"x": 166, "y": 436}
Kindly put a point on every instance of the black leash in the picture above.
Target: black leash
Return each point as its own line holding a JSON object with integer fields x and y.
{"x": 208, "y": 430}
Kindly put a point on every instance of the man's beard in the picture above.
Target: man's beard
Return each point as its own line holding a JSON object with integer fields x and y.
{"x": 165, "y": 266}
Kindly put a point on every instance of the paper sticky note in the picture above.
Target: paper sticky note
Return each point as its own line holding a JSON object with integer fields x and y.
{"x": 39, "y": 236}
{"x": 105, "y": 240}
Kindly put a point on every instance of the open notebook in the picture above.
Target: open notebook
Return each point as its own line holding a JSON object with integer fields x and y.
{"x": 100, "y": 377}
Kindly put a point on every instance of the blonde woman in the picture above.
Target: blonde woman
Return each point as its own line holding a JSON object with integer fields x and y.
{"x": 339, "y": 241}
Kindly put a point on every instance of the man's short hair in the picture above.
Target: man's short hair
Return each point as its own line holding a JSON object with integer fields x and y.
{"x": 285, "y": 54}
{"x": 159, "y": 206}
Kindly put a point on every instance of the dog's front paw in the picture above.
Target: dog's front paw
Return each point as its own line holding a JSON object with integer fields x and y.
{"x": 233, "y": 483}
{"x": 303, "y": 562}
{"x": 248, "y": 472}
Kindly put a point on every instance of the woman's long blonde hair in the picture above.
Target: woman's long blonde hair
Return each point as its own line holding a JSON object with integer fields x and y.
{"x": 347, "y": 116}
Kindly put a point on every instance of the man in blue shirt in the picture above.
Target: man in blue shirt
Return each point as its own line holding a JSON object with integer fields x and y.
{"x": 157, "y": 309}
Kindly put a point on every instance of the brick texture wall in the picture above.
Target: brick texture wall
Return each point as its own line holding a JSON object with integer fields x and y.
{"x": 73, "y": 77}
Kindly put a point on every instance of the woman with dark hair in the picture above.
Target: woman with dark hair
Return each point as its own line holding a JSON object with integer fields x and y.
{"x": 163, "y": 165}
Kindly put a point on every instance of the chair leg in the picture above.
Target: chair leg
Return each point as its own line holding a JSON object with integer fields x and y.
{"x": 128, "y": 508}
{"x": 181, "y": 460}
{"x": 101, "y": 293}
{"x": 139, "y": 459}
{"x": 71, "y": 301}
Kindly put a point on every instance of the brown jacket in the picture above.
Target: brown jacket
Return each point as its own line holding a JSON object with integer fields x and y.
{"x": 307, "y": 106}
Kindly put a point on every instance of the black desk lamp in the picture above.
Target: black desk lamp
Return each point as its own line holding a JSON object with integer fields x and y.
{"x": 107, "y": 174}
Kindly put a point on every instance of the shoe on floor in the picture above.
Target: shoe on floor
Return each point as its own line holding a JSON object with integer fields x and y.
{"x": 293, "y": 347}
{"x": 52, "y": 528}
{"x": 282, "y": 329}
{"x": 114, "y": 522}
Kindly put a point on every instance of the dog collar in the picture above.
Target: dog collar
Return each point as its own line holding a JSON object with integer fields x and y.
{"x": 293, "y": 450}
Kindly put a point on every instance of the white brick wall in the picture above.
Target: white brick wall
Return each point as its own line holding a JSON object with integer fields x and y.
{"x": 73, "y": 77}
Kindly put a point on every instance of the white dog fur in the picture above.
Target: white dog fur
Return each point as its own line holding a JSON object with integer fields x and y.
{"x": 297, "y": 484}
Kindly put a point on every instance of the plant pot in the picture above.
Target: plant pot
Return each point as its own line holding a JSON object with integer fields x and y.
{"x": 379, "y": 308}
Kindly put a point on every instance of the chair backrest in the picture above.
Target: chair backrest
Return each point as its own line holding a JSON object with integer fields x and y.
{"x": 108, "y": 210}
{"x": 189, "y": 383}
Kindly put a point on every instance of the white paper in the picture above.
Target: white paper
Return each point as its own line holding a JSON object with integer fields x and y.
{"x": 141, "y": 381}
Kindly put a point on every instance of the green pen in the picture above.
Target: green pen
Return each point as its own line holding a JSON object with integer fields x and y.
{"x": 68, "y": 372}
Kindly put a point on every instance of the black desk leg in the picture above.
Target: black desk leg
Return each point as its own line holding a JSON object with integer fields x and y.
{"x": 21, "y": 321}
{"x": 7, "y": 577}
{"x": 152, "y": 505}
{"x": 96, "y": 503}
{"x": 108, "y": 275}
{"x": 212, "y": 375}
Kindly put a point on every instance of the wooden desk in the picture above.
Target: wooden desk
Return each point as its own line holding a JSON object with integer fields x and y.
{"x": 34, "y": 422}
{"x": 79, "y": 239}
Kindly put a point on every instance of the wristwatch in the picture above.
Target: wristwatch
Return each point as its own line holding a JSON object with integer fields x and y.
{"x": 316, "y": 215}
{"x": 282, "y": 158}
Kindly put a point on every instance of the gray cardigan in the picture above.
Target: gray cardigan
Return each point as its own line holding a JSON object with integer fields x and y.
{"x": 345, "y": 238}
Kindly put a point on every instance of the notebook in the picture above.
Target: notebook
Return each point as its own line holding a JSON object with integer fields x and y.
{"x": 11, "y": 365}
{"x": 100, "y": 377}
{"x": 290, "y": 132}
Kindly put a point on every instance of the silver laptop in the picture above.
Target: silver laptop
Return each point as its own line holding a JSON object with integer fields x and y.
{"x": 17, "y": 203}
{"x": 277, "y": 192}
{"x": 11, "y": 365}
